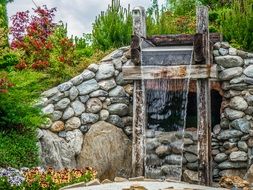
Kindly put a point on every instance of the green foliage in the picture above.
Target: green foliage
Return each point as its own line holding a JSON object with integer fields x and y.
{"x": 237, "y": 24}
{"x": 4, "y": 184}
{"x": 171, "y": 19}
{"x": 18, "y": 149}
{"x": 22, "y": 95}
{"x": 112, "y": 28}
{"x": 182, "y": 7}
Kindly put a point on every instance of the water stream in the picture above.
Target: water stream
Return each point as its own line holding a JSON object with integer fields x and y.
{"x": 166, "y": 107}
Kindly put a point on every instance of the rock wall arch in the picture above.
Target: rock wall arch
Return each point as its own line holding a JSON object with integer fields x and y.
{"x": 89, "y": 117}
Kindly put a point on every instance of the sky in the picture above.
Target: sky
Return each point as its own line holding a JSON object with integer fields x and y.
{"x": 79, "y": 14}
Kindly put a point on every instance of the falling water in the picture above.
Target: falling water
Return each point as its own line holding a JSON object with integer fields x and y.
{"x": 166, "y": 102}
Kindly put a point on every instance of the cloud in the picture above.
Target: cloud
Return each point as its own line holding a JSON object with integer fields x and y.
{"x": 78, "y": 14}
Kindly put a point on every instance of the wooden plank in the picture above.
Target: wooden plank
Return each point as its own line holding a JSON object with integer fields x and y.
{"x": 203, "y": 102}
{"x": 139, "y": 106}
{"x": 179, "y": 39}
{"x": 170, "y": 72}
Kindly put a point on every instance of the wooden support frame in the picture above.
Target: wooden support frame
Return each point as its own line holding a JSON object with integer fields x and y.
{"x": 179, "y": 39}
{"x": 202, "y": 55}
{"x": 170, "y": 72}
{"x": 202, "y": 71}
{"x": 139, "y": 114}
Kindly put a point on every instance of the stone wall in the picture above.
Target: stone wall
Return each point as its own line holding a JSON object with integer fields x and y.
{"x": 89, "y": 118}
{"x": 232, "y": 140}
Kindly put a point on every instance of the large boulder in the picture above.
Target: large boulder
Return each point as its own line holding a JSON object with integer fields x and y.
{"x": 57, "y": 152}
{"x": 108, "y": 150}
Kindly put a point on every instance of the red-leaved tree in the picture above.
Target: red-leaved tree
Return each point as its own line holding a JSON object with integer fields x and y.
{"x": 32, "y": 35}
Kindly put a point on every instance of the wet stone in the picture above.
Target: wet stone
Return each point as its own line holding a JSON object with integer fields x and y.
{"x": 229, "y": 145}
{"x": 128, "y": 130}
{"x": 150, "y": 133}
{"x": 56, "y": 115}
{"x": 99, "y": 93}
{"x": 69, "y": 112}
{"x": 242, "y": 145}
{"x": 49, "y": 109}
{"x": 78, "y": 107}
{"x": 248, "y": 80}
{"x": 104, "y": 114}
{"x": 241, "y": 124}
{"x": 116, "y": 120}
{"x": 118, "y": 91}
{"x": 230, "y": 73}
{"x": 107, "y": 84}
{"x": 77, "y": 80}
{"x": 151, "y": 144}
{"x": 65, "y": 86}
{"x": 216, "y": 53}
{"x": 123, "y": 100}
{"x": 238, "y": 156}
{"x": 191, "y": 157}
{"x": 192, "y": 149}
{"x": 228, "y": 134}
{"x": 88, "y": 87}
{"x": 105, "y": 71}
{"x": 84, "y": 99}
{"x": 220, "y": 157}
{"x": 237, "y": 80}
{"x": 223, "y": 51}
{"x": 177, "y": 147}
{"x": 62, "y": 104}
{"x": 94, "y": 105}
{"x": 72, "y": 123}
{"x": 93, "y": 67}
{"x": 89, "y": 118}
{"x": 239, "y": 86}
{"x": 162, "y": 150}
{"x": 192, "y": 166}
{"x": 232, "y": 165}
{"x": 87, "y": 75}
{"x": 84, "y": 128}
{"x": 249, "y": 99}
{"x": 50, "y": 93}
{"x": 171, "y": 170}
{"x": 249, "y": 110}
{"x": 57, "y": 126}
{"x": 249, "y": 71}
{"x": 120, "y": 109}
{"x": 229, "y": 61}
{"x": 233, "y": 114}
{"x": 62, "y": 134}
{"x": 238, "y": 103}
{"x": 73, "y": 93}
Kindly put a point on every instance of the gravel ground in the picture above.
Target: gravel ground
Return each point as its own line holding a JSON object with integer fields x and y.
{"x": 148, "y": 185}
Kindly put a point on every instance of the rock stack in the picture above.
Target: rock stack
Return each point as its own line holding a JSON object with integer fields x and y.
{"x": 97, "y": 96}
{"x": 232, "y": 140}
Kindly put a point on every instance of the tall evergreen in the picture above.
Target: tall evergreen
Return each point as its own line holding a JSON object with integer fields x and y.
{"x": 4, "y": 23}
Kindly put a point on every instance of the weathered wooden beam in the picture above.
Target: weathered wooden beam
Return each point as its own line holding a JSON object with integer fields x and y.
{"x": 139, "y": 106}
{"x": 203, "y": 102}
{"x": 179, "y": 39}
{"x": 170, "y": 72}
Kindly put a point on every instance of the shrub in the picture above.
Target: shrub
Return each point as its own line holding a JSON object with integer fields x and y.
{"x": 170, "y": 19}
{"x": 18, "y": 148}
{"x": 19, "y": 118}
{"x": 237, "y": 24}
{"x": 112, "y": 28}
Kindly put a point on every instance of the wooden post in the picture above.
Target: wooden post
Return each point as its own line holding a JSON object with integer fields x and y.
{"x": 139, "y": 114}
{"x": 203, "y": 102}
